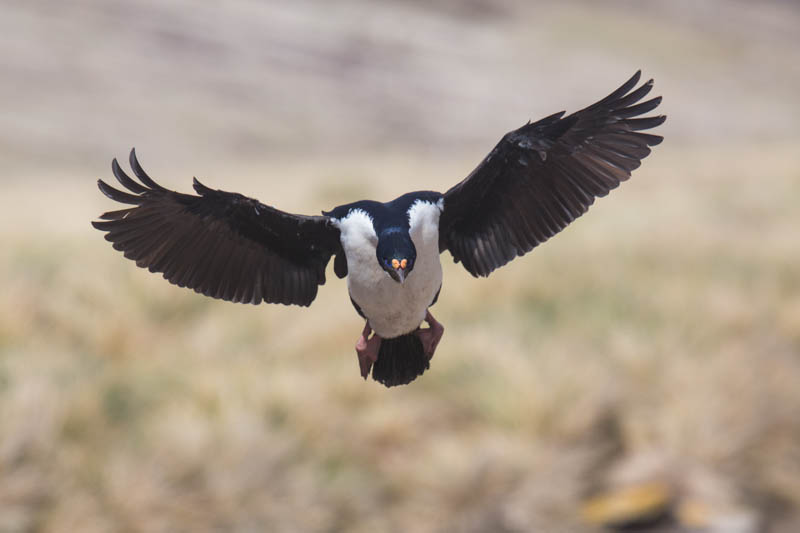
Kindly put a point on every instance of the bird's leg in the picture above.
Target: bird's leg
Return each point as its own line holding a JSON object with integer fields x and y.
{"x": 431, "y": 336}
{"x": 367, "y": 350}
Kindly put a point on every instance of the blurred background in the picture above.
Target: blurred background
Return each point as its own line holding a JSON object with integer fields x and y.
{"x": 642, "y": 369}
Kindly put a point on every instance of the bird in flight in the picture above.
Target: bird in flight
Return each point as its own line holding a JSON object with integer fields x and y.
{"x": 539, "y": 178}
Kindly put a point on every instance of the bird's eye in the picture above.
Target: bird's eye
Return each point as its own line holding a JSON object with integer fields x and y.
{"x": 387, "y": 263}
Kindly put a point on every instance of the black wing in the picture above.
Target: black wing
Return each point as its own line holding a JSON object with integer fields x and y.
{"x": 544, "y": 175}
{"x": 220, "y": 244}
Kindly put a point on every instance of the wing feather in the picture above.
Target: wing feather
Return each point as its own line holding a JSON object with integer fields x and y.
{"x": 220, "y": 244}
{"x": 544, "y": 175}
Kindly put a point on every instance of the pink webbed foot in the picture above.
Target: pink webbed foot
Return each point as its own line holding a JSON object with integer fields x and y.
{"x": 367, "y": 350}
{"x": 431, "y": 336}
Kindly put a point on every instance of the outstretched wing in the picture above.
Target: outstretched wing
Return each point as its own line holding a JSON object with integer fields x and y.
{"x": 544, "y": 175}
{"x": 220, "y": 244}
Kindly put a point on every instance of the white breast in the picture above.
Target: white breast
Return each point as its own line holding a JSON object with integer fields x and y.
{"x": 393, "y": 309}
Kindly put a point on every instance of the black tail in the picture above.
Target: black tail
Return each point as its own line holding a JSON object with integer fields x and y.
{"x": 400, "y": 360}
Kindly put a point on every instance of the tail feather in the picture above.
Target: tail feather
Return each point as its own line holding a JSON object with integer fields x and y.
{"x": 400, "y": 360}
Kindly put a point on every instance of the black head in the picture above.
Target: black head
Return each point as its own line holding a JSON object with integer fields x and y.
{"x": 396, "y": 253}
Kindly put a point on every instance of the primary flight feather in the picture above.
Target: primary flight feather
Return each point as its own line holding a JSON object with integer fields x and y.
{"x": 538, "y": 179}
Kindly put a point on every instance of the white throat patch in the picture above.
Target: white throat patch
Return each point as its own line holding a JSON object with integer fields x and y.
{"x": 393, "y": 309}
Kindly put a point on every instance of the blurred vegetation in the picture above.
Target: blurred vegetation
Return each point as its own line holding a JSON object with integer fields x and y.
{"x": 644, "y": 365}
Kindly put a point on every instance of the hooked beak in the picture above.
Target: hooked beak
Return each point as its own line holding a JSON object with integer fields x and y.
{"x": 399, "y": 275}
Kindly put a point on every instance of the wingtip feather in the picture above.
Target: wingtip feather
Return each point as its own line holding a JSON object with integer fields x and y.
{"x": 140, "y": 173}
{"x": 126, "y": 180}
{"x": 116, "y": 194}
{"x": 631, "y": 83}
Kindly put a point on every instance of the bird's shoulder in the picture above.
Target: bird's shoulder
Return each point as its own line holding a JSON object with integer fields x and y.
{"x": 386, "y": 214}
{"x": 405, "y": 202}
{"x": 340, "y": 212}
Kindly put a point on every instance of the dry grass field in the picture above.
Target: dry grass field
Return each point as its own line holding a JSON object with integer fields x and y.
{"x": 653, "y": 346}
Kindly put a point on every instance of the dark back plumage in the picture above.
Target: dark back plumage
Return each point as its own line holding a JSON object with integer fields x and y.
{"x": 386, "y": 214}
